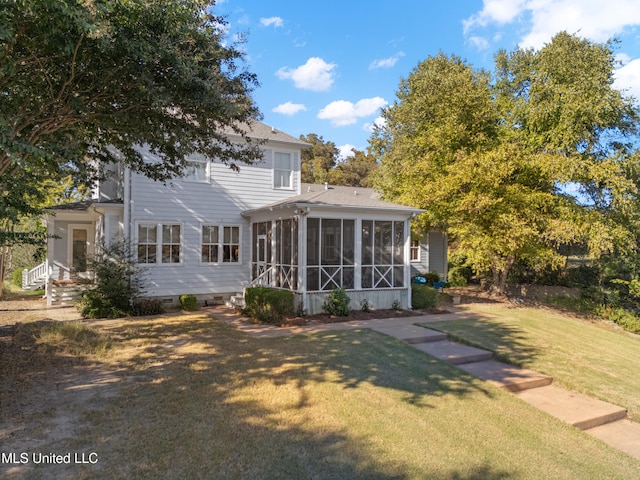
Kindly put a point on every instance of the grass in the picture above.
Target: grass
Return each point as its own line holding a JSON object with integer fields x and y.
{"x": 582, "y": 356}
{"x": 198, "y": 399}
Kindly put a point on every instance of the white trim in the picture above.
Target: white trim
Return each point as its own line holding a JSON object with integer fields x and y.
{"x": 90, "y": 229}
{"x": 158, "y": 225}
{"x": 220, "y": 244}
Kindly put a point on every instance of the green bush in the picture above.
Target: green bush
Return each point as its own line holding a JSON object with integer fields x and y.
{"x": 117, "y": 284}
{"x": 16, "y": 277}
{"x": 626, "y": 319}
{"x": 423, "y": 296}
{"x": 148, "y": 306}
{"x": 338, "y": 303}
{"x": 189, "y": 303}
{"x": 459, "y": 276}
{"x": 268, "y": 305}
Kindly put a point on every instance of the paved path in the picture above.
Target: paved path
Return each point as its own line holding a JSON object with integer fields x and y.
{"x": 597, "y": 418}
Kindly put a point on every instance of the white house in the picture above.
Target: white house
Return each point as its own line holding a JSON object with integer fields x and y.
{"x": 215, "y": 231}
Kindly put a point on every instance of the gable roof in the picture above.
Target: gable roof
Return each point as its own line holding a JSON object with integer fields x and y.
{"x": 335, "y": 197}
{"x": 259, "y": 130}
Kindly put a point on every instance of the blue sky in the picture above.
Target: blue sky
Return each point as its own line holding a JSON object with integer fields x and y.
{"x": 329, "y": 67}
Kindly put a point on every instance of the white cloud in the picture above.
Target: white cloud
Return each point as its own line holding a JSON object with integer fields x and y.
{"x": 593, "y": 19}
{"x": 378, "y": 122}
{"x": 345, "y": 151}
{"x": 342, "y": 112}
{"x": 316, "y": 75}
{"x": 480, "y": 43}
{"x": 275, "y": 21}
{"x": 386, "y": 62}
{"x": 289, "y": 108}
{"x": 628, "y": 78}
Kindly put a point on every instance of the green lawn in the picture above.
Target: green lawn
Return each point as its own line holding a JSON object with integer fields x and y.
{"x": 198, "y": 399}
{"x": 581, "y": 356}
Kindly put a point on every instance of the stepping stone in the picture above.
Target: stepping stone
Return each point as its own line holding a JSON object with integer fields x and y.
{"x": 508, "y": 377}
{"x": 454, "y": 353}
{"x": 412, "y": 333}
{"x": 574, "y": 408}
{"x": 623, "y": 435}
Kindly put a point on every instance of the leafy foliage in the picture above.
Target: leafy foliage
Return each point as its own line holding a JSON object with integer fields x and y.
{"x": 82, "y": 80}
{"x": 355, "y": 171}
{"x": 189, "y": 302}
{"x": 317, "y": 161}
{"x": 268, "y": 305}
{"x": 338, "y": 303}
{"x": 117, "y": 284}
{"x": 491, "y": 159}
{"x": 423, "y": 296}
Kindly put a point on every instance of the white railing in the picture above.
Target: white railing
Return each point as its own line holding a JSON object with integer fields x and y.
{"x": 33, "y": 276}
{"x": 264, "y": 278}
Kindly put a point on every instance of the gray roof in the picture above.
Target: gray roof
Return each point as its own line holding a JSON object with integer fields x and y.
{"x": 330, "y": 196}
{"x": 261, "y": 131}
{"x": 83, "y": 205}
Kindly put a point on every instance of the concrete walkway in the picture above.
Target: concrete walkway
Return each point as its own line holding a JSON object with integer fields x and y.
{"x": 597, "y": 418}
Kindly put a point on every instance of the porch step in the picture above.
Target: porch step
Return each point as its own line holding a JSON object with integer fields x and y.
{"x": 236, "y": 301}
{"x": 412, "y": 334}
{"x": 65, "y": 295}
{"x": 454, "y": 353}
{"x": 508, "y": 377}
{"x": 574, "y": 408}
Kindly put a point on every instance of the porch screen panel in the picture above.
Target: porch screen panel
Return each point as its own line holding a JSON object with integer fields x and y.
{"x": 382, "y": 254}
{"x": 79, "y": 250}
{"x": 330, "y": 253}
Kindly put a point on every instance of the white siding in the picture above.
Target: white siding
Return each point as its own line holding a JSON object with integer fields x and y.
{"x": 217, "y": 202}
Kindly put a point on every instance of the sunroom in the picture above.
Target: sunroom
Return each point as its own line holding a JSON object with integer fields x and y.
{"x": 334, "y": 237}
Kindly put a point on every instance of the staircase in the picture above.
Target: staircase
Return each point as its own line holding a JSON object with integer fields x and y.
{"x": 35, "y": 278}
{"x": 236, "y": 301}
{"x": 65, "y": 294}
{"x": 597, "y": 418}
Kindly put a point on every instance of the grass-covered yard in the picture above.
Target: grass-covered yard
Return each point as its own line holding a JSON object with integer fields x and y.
{"x": 583, "y": 356}
{"x": 186, "y": 397}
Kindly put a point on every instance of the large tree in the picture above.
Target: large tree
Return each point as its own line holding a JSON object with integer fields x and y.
{"x": 97, "y": 79}
{"x": 355, "y": 170}
{"x": 317, "y": 160}
{"x": 494, "y": 160}
{"x": 85, "y": 80}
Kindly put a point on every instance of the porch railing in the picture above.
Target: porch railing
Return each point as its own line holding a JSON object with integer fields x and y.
{"x": 264, "y": 278}
{"x": 34, "y": 277}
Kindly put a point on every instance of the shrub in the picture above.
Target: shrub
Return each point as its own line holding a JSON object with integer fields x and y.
{"x": 148, "y": 306}
{"x": 338, "y": 303}
{"x": 268, "y": 305}
{"x": 423, "y": 296}
{"x": 626, "y": 319}
{"x": 117, "y": 284}
{"x": 459, "y": 276}
{"x": 16, "y": 277}
{"x": 396, "y": 304}
{"x": 365, "y": 305}
{"x": 189, "y": 302}
{"x": 431, "y": 277}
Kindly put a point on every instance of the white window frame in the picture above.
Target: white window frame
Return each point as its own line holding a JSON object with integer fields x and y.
{"x": 193, "y": 165}
{"x": 414, "y": 247}
{"x": 278, "y": 176}
{"x": 221, "y": 243}
{"x": 159, "y": 243}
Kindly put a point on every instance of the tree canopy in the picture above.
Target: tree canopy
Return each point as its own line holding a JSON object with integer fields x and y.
{"x": 98, "y": 79}
{"x": 317, "y": 160}
{"x": 516, "y": 164}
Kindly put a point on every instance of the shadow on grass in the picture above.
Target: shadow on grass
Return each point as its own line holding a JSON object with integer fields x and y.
{"x": 507, "y": 342}
{"x": 209, "y": 402}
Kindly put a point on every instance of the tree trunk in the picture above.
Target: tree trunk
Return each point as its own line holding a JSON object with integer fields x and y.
{"x": 501, "y": 273}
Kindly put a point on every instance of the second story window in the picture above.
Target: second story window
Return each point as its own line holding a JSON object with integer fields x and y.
{"x": 196, "y": 171}
{"x": 282, "y": 170}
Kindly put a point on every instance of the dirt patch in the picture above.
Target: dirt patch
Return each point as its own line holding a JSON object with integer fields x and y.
{"x": 24, "y": 309}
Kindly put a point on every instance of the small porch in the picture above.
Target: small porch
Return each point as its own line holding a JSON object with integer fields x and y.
{"x": 330, "y": 238}
{"x": 75, "y": 232}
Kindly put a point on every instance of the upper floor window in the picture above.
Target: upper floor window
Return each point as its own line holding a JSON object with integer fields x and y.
{"x": 196, "y": 170}
{"x": 282, "y": 170}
